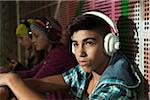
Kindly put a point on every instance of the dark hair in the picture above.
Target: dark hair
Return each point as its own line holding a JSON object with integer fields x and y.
{"x": 52, "y": 28}
{"x": 89, "y": 22}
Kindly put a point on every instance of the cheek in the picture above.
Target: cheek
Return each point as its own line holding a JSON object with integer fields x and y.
{"x": 27, "y": 41}
{"x": 95, "y": 56}
{"x": 77, "y": 57}
{"x": 23, "y": 42}
{"x": 93, "y": 52}
{"x": 99, "y": 52}
{"x": 42, "y": 43}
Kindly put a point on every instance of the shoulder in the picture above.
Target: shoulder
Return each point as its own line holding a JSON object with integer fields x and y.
{"x": 112, "y": 91}
{"x": 121, "y": 69}
{"x": 119, "y": 59}
{"x": 59, "y": 51}
{"x": 57, "y": 47}
{"x": 73, "y": 72}
{"x": 74, "y": 75}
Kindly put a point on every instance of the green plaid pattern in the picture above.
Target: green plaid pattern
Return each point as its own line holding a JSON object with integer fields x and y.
{"x": 108, "y": 89}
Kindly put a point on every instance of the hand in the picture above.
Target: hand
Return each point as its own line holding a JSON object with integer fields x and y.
{"x": 7, "y": 78}
{"x": 5, "y": 69}
{"x": 13, "y": 63}
{"x": 3, "y": 77}
{"x": 4, "y": 93}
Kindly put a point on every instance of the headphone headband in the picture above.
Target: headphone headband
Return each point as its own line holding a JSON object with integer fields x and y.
{"x": 105, "y": 18}
{"x": 27, "y": 24}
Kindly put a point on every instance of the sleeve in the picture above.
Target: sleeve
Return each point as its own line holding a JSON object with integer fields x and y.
{"x": 56, "y": 63}
{"x": 113, "y": 92}
{"x": 69, "y": 77}
{"x": 19, "y": 67}
{"x": 29, "y": 73}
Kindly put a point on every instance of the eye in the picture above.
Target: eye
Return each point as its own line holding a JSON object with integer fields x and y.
{"x": 75, "y": 44}
{"x": 90, "y": 43}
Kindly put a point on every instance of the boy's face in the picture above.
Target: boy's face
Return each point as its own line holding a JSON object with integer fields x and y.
{"x": 88, "y": 48}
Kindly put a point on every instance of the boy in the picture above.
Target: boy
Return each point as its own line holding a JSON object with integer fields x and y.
{"x": 102, "y": 73}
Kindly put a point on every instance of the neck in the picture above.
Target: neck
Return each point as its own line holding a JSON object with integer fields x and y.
{"x": 95, "y": 76}
{"x": 93, "y": 82}
{"x": 103, "y": 66}
{"x": 48, "y": 49}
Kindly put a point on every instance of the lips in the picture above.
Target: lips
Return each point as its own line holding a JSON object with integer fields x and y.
{"x": 36, "y": 46}
{"x": 83, "y": 63}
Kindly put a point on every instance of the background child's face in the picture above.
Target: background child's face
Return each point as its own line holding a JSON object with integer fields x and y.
{"x": 88, "y": 48}
{"x": 39, "y": 40}
{"x": 25, "y": 41}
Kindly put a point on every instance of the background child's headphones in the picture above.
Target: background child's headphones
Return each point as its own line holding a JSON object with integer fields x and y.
{"x": 27, "y": 24}
{"x": 111, "y": 40}
{"x": 51, "y": 28}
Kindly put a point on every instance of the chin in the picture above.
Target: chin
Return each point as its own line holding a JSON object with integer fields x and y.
{"x": 86, "y": 69}
{"x": 38, "y": 49}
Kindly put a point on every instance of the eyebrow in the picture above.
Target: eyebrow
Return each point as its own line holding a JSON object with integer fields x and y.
{"x": 89, "y": 39}
{"x": 85, "y": 39}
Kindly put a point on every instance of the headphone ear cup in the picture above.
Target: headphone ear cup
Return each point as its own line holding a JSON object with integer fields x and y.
{"x": 30, "y": 34}
{"x": 73, "y": 51}
{"x": 106, "y": 43}
{"x": 111, "y": 43}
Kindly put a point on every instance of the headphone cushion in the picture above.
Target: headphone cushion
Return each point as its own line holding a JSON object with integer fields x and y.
{"x": 111, "y": 43}
{"x": 73, "y": 51}
{"x": 106, "y": 43}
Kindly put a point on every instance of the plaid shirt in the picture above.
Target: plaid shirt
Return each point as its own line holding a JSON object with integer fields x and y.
{"x": 107, "y": 88}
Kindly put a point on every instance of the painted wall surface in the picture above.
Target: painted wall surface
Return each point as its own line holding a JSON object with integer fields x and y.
{"x": 64, "y": 11}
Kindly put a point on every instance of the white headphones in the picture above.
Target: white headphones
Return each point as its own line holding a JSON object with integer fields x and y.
{"x": 111, "y": 41}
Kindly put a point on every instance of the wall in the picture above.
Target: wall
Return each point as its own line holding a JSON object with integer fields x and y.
{"x": 64, "y": 11}
{"x": 8, "y": 47}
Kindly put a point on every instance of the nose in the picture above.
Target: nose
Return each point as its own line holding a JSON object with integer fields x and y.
{"x": 81, "y": 51}
{"x": 19, "y": 40}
